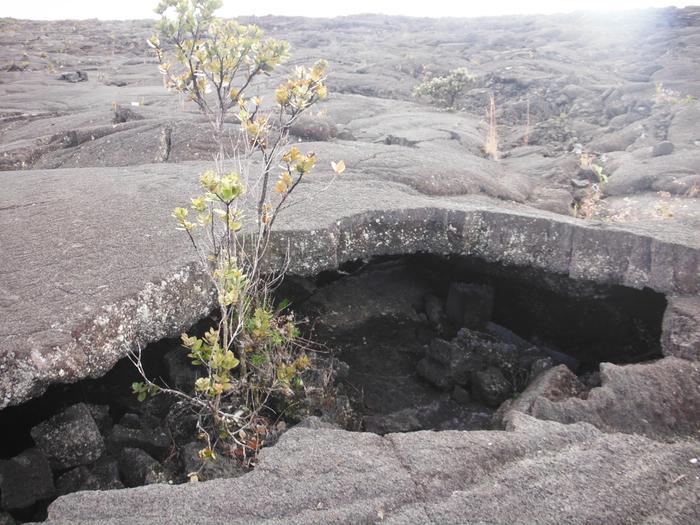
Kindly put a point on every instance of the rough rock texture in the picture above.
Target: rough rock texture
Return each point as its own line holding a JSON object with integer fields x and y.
{"x": 206, "y": 469}
{"x": 447, "y": 364}
{"x": 25, "y": 479}
{"x": 416, "y": 177}
{"x": 390, "y": 292}
{"x": 681, "y": 328}
{"x": 76, "y": 184}
{"x": 370, "y": 318}
{"x": 490, "y": 387}
{"x": 70, "y": 438}
{"x": 99, "y": 303}
{"x": 538, "y": 472}
{"x": 555, "y": 384}
{"x": 154, "y": 441}
{"x": 660, "y": 401}
{"x": 104, "y": 475}
{"x": 137, "y": 468}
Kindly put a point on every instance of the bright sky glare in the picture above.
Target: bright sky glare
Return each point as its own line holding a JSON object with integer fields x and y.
{"x": 138, "y": 9}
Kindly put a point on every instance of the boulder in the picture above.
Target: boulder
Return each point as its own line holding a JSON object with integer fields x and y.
{"x": 137, "y": 468}
{"x": 131, "y": 420}
{"x": 556, "y": 384}
{"x": 72, "y": 481}
{"x": 181, "y": 423}
{"x": 660, "y": 400}
{"x": 458, "y": 360}
{"x": 469, "y": 305}
{"x": 435, "y": 312}
{"x": 491, "y": 387}
{"x": 124, "y": 114}
{"x": 435, "y": 373}
{"x": 75, "y": 76}
{"x": 680, "y": 336}
{"x": 540, "y": 365}
{"x": 581, "y": 183}
{"x": 102, "y": 475}
{"x": 662, "y": 148}
{"x": 70, "y": 438}
{"x": 315, "y": 128}
{"x": 448, "y": 364}
{"x": 155, "y": 441}
{"x": 100, "y": 413}
{"x": 461, "y": 395}
{"x": 25, "y": 479}
{"x": 405, "y": 420}
{"x": 489, "y": 350}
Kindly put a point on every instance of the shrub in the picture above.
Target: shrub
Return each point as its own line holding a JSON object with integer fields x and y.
{"x": 254, "y": 356}
{"x": 444, "y": 91}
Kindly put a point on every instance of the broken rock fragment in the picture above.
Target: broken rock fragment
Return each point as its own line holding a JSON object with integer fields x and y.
{"x": 70, "y": 438}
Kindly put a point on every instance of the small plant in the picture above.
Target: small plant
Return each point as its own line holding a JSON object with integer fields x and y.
{"x": 254, "y": 357}
{"x": 587, "y": 206}
{"x": 444, "y": 91}
{"x": 664, "y": 95}
{"x": 664, "y": 208}
{"x": 587, "y": 161}
{"x": 491, "y": 141}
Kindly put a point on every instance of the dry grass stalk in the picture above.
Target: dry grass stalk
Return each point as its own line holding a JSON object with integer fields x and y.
{"x": 491, "y": 142}
{"x": 526, "y": 137}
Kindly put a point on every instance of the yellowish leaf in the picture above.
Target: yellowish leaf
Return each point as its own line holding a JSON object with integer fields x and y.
{"x": 338, "y": 167}
{"x": 280, "y": 186}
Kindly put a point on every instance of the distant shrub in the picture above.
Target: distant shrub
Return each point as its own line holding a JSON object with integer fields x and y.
{"x": 444, "y": 91}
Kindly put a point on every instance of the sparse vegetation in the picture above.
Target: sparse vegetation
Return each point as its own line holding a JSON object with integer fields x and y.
{"x": 664, "y": 95}
{"x": 254, "y": 357}
{"x": 587, "y": 206}
{"x": 526, "y": 136}
{"x": 664, "y": 208}
{"x": 491, "y": 140}
{"x": 588, "y": 161}
{"x": 444, "y": 91}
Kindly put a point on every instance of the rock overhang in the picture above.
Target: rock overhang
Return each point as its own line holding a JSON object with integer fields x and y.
{"x": 379, "y": 219}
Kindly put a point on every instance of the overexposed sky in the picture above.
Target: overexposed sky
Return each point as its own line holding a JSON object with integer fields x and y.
{"x": 133, "y": 9}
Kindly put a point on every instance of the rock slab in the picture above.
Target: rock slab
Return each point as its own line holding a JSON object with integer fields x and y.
{"x": 525, "y": 475}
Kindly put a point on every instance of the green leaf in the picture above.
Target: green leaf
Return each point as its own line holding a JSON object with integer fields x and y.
{"x": 283, "y": 305}
{"x": 258, "y": 360}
